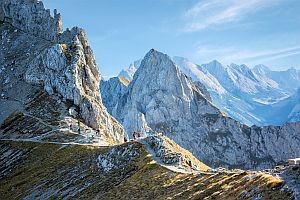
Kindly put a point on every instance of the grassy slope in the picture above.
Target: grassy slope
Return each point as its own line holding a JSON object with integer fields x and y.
{"x": 56, "y": 171}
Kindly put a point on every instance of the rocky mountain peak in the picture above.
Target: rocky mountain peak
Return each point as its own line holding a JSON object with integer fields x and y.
{"x": 156, "y": 59}
{"x": 215, "y": 68}
{"x": 130, "y": 71}
{"x": 60, "y": 63}
{"x": 260, "y": 69}
{"x": 162, "y": 74}
{"x": 159, "y": 104}
{"x": 215, "y": 62}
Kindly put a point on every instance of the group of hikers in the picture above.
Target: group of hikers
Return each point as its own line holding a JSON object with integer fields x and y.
{"x": 135, "y": 136}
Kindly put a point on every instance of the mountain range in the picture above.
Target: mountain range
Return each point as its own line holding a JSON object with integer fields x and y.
{"x": 248, "y": 95}
{"x": 162, "y": 98}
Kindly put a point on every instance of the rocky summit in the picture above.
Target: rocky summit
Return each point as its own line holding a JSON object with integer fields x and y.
{"x": 161, "y": 98}
{"x": 58, "y": 140}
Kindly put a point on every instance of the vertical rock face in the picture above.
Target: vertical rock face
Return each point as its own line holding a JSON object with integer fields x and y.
{"x": 163, "y": 99}
{"x": 62, "y": 63}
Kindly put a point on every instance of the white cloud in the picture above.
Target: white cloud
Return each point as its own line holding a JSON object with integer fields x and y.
{"x": 265, "y": 55}
{"x": 213, "y": 12}
{"x": 228, "y": 55}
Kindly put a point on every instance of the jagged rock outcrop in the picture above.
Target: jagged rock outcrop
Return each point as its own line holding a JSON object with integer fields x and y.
{"x": 60, "y": 63}
{"x": 118, "y": 158}
{"x": 163, "y": 99}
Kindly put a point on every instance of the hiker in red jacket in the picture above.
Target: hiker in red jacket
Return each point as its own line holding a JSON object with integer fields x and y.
{"x": 139, "y": 134}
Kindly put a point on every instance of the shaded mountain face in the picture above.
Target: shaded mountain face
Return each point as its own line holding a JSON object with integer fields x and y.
{"x": 36, "y": 57}
{"x": 161, "y": 98}
{"x": 244, "y": 94}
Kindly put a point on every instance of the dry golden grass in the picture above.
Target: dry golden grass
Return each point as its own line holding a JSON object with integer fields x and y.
{"x": 62, "y": 168}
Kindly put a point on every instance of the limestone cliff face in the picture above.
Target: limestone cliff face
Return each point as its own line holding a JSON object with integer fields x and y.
{"x": 62, "y": 63}
{"x": 163, "y": 99}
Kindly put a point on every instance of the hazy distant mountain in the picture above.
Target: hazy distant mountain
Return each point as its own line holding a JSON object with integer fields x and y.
{"x": 129, "y": 72}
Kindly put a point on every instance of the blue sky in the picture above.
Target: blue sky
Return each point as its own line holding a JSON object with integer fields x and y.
{"x": 239, "y": 31}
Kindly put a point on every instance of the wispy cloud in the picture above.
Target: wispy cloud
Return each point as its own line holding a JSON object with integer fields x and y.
{"x": 229, "y": 55}
{"x": 264, "y": 55}
{"x": 207, "y": 13}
